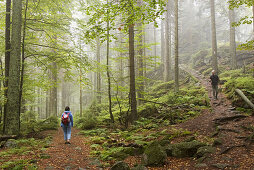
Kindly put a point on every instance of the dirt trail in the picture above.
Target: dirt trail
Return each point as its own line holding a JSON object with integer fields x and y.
{"x": 223, "y": 122}
{"x": 220, "y": 108}
{"x": 65, "y": 156}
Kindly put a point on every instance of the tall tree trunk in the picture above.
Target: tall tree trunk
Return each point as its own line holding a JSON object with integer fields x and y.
{"x": 12, "y": 105}
{"x": 53, "y": 90}
{"x": 167, "y": 64}
{"x": 232, "y": 39}
{"x": 1, "y": 83}
{"x": 133, "y": 101}
{"x": 140, "y": 65}
{"x": 214, "y": 41}
{"x": 155, "y": 47}
{"x": 47, "y": 104}
{"x": 162, "y": 42}
{"x": 22, "y": 61}
{"x": 7, "y": 51}
{"x": 80, "y": 94}
{"x": 176, "y": 48}
{"x": 108, "y": 74}
{"x": 253, "y": 21}
{"x": 98, "y": 75}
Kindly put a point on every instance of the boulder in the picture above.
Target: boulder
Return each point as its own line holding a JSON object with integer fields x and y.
{"x": 11, "y": 143}
{"x": 133, "y": 151}
{"x": 184, "y": 149}
{"x": 154, "y": 155}
{"x": 120, "y": 166}
{"x": 204, "y": 151}
{"x": 217, "y": 142}
{"x": 139, "y": 167}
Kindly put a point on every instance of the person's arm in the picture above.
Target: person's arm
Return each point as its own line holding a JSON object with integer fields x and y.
{"x": 71, "y": 120}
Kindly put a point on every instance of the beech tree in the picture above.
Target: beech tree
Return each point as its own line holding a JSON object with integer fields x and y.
{"x": 12, "y": 106}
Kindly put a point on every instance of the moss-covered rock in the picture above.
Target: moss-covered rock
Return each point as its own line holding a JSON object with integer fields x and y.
{"x": 139, "y": 167}
{"x": 204, "y": 151}
{"x": 154, "y": 155}
{"x": 133, "y": 151}
{"x": 119, "y": 155}
{"x": 184, "y": 149}
{"x": 11, "y": 143}
{"x": 120, "y": 166}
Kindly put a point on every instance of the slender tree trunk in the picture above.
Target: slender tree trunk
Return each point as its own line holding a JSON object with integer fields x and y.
{"x": 121, "y": 66}
{"x": 214, "y": 41}
{"x": 47, "y": 104}
{"x": 253, "y": 21}
{"x": 176, "y": 48}
{"x": 140, "y": 65}
{"x": 108, "y": 74}
{"x": 98, "y": 76}
{"x": 232, "y": 39}
{"x": 162, "y": 43}
{"x": 167, "y": 64}
{"x": 12, "y": 105}
{"x": 155, "y": 48}
{"x": 1, "y": 83}
{"x": 133, "y": 101}
{"x": 80, "y": 94}
{"x": 7, "y": 51}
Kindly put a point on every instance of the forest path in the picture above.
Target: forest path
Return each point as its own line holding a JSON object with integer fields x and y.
{"x": 68, "y": 156}
{"x": 223, "y": 122}
{"x": 204, "y": 123}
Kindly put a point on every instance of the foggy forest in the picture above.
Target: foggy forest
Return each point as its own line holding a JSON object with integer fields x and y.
{"x": 126, "y": 84}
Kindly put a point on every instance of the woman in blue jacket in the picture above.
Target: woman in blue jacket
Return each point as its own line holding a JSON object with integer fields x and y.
{"x": 66, "y": 124}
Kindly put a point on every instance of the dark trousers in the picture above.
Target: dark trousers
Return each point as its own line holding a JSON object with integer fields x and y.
{"x": 215, "y": 91}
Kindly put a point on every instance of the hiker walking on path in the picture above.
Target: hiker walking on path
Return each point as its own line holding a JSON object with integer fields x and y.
{"x": 67, "y": 124}
{"x": 215, "y": 82}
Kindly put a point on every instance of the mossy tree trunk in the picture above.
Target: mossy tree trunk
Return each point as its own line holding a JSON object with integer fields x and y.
{"x": 133, "y": 101}
{"x": 12, "y": 106}
{"x": 7, "y": 50}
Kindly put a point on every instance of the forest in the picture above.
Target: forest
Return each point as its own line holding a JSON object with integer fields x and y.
{"x": 150, "y": 84}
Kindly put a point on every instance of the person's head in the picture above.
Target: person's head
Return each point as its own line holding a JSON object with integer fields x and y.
{"x": 67, "y": 108}
{"x": 213, "y": 72}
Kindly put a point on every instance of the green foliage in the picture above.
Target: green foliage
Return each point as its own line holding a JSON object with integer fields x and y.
{"x": 24, "y": 147}
{"x": 31, "y": 125}
{"x": 246, "y": 84}
{"x": 88, "y": 121}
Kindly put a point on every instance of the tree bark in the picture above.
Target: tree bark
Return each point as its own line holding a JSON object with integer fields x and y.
{"x": 162, "y": 43}
{"x": 7, "y": 51}
{"x": 167, "y": 63}
{"x": 232, "y": 39}
{"x": 140, "y": 66}
{"x": 240, "y": 93}
{"x": 176, "y": 48}
{"x": 155, "y": 47}
{"x": 108, "y": 73}
{"x": 12, "y": 105}
{"x": 98, "y": 75}
{"x": 133, "y": 115}
{"x": 22, "y": 61}
{"x": 214, "y": 40}
{"x": 80, "y": 94}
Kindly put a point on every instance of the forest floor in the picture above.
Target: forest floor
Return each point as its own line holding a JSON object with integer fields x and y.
{"x": 222, "y": 122}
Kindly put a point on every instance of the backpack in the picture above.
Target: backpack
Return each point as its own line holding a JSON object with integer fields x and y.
{"x": 66, "y": 118}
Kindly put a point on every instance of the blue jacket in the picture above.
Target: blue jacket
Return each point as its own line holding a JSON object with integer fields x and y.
{"x": 71, "y": 119}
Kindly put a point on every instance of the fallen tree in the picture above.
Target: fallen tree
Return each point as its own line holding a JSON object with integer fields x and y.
{"x": 240, "y": 93}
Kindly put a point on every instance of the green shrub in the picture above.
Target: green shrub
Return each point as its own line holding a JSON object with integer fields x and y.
{"x": 89, "y": 121}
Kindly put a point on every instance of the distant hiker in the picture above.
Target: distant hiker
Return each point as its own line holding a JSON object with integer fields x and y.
{"x": 66, "y": 124}
{"x": 215, "y": 82}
